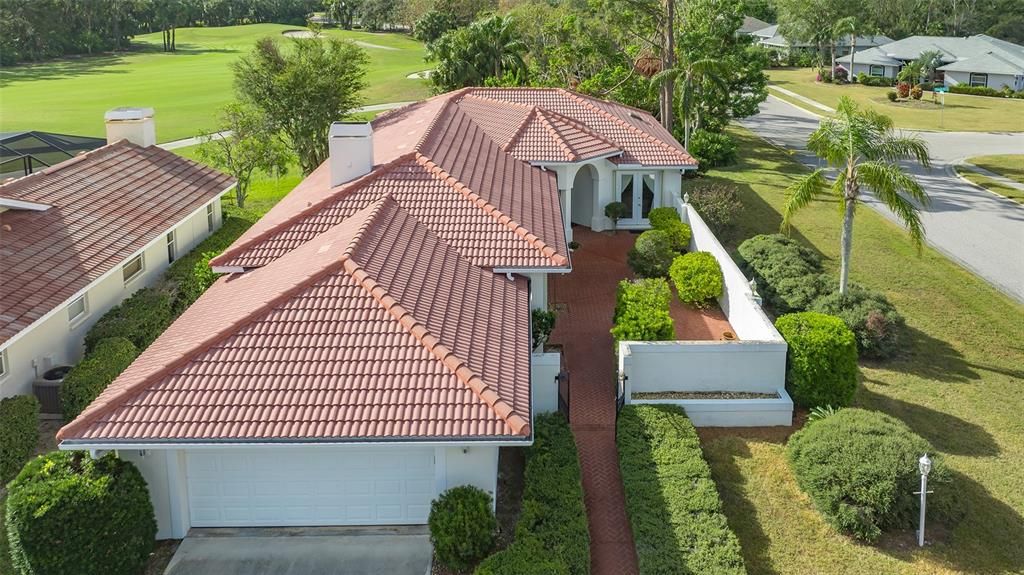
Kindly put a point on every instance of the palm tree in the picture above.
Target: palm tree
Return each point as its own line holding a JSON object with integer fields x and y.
{"x": 846, "y": 27}
{"x": 865, "y": 150}
{"x": 501, "y": 47}
{"x": 691, "y": 77}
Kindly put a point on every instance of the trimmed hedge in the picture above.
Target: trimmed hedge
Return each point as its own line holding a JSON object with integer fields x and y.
{"x": 874, "y": 321}
{"x": 19, "y": 433}
{"x": 652, "y": 254}
{"x": 462, "y": 526}
{"x": 673, "y": 506}
{"x": 821, "y": 365}
{"x": 866, "y": 80}
{"x": 140, "y": 319}
{"x": 94, "y": 373}
{"x": 551, "y": 535}
{"x": 860, "y": 469}
{"x": 68, "y": 513}
{"x": 697, "y": 277}
{"x": 642, "y": 311}
{"x": 661, "y": 218}
{"x": 789, "y": 275}
{"x": 978, "y": 91}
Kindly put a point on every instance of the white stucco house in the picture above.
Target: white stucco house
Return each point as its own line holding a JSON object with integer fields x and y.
{"x": 80, "y": 236}
{"x": 978, "y": 60}
{"x": 369, "y": 345}
{"x": 771, "y": 38}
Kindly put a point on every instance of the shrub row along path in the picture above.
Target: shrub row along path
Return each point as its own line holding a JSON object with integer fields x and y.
{"x": 585, "y": 300}
{"x": 977, "y": 229}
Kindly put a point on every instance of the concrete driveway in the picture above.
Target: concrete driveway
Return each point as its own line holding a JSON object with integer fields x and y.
{"x": 979, "y": 230}
{"x": 304, "y": 551}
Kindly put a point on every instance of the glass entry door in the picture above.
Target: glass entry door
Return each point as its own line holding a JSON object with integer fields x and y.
{"x": 638, "y": 191}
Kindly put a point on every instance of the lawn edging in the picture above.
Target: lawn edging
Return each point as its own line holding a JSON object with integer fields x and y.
{"x": 672, "y": 502}
{"x": 551, "y": 534}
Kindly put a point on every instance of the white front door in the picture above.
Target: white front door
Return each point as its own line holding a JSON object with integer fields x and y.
{"x": 640, "y": 192}
{"x": 315, "y": 485}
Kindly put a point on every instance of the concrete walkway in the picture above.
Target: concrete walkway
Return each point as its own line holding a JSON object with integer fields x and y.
{"x": 804, "y": 99}
{"x": 977, "y": 229}
{"x": 307, "y": 551}
{"x": 586, "y": 298}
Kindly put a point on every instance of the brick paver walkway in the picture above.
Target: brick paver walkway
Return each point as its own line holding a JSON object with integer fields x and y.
{"x": 588, "y": 294}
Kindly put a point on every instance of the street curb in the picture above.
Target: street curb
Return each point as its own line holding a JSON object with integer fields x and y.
{"x": 961, "y": 162}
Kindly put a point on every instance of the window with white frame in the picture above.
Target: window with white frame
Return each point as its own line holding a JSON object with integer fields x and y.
{"x": 979, "y": 79}
{"x": 639, "y": 192}
{"x": 877, "y": 71}
{"x": 77, "y": 309}
{"x": 170, "y": 246}
{"x": 133, "y": 268}
{"x": 3, "y": 363}
{"x": 211, "y": 217}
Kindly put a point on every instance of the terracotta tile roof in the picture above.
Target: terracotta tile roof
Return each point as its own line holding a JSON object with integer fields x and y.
{"x": 549, "y": 137}
{"x": 105, "y": 205}
{"x": 376, "y": 328}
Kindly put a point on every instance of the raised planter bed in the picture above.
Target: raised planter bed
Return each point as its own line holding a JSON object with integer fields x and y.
{"x": 774, "y": 410}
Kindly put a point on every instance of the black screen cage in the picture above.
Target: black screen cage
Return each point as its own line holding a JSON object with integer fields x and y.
{"x": 22, "y": 153}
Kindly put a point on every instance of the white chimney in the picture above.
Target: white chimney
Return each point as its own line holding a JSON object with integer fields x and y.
{"x": 351, "y": 151}
{"x": 133, "y": 124}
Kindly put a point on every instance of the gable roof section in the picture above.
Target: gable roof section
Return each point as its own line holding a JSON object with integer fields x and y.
{"x": 978, "y": 53}
{"x": 375, "y": 329}
{"x": 105, "y": 205}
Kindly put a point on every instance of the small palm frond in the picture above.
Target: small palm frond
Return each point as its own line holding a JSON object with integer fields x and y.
{"x": 829, "y": 141}
{"x": 803, "y": 192}
{"x": 903, "y": 147}
{"x": 888, "y": 182}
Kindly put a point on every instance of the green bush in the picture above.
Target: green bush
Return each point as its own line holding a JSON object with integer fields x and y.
{"x": 642, "y": 311}
{"x": 462, "y": 526}
{"x": 553, "y": 517}
{"x": 789, "y": 276}
{"x": 976, "y": 90}
{"x": 821, "y": 366}
{"x": 543, "y": 323}
{"x": 891, "y": 95}
{"x": 860, "y": 469}
{"x": 673, "y": 506}
{"x": 697, "y": 277}
{"x": 615, "y": 211}
{"x": 141, "y": 319}
{"x": 187, "y": 276}
{"x": 652, "y": 254}
{"x": 94, "y": 373}
{"x": 712, "y": 149}
{"x": 873, "y": 320}
{"x": 717, "y": 204}
{"x": 70, "y": 514}
{"x": 679, "y": 234}
{"x": 881, "y": 81}
{"x": 19, "y": 433}
{"x": 527, "y": 557}
{"x": 662, "y": 217}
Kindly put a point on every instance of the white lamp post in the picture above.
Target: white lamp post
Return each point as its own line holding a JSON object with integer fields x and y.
{"x": 924, "y": 465}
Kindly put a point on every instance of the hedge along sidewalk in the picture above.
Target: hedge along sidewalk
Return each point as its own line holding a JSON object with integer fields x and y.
{"x": 673, "y": 506}
{"x": 551, "y": 535}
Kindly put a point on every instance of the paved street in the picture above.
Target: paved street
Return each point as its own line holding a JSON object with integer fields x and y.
{"x": 981, "y": 231}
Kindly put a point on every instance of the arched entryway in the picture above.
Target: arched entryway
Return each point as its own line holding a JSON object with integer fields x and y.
{"x": 584, "y": 190}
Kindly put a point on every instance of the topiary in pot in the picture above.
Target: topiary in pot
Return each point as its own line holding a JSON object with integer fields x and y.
{"x": 68, "y": 513}
{"x": 860, "y": 469}
{"x": 875, "y": 322}
{"x": 652, "y": 254}
{"x": 462, "y": 526}
{"x": 697, "y": 277}
{"x": 615, "y": 211}
{"x": 821, "y": 365}
{"x": 660, "y": 218}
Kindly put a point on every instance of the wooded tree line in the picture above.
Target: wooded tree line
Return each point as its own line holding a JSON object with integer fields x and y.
{"x": 33, "y": 30}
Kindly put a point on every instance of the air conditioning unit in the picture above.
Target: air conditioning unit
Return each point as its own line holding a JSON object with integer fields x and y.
{"x": 47, "y": 391}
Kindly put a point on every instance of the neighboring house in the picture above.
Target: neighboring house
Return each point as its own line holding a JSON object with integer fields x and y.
{"x": 80, "y": 236}
{"x": 22, "y": 153}
{"x": 770, "y": 38}
{"x": 751, "y": 25}
{"x": 370, "y": 346}
{"x": 978, "y": 60}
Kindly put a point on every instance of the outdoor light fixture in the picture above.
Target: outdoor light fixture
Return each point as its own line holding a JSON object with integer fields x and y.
{"x": 686, "y": 197}
{"x": 924, "y": 465}
{"x": 753, "y": 292}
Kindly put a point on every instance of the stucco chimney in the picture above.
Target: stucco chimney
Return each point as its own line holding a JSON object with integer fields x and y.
{"x": 133, "y": 124}
{"x": 351, "y": 151}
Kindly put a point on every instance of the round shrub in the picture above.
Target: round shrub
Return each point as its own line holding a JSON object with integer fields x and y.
{"x": 19, "y": 433}
{"x": 717, "y": 205}
{"x": 712, "y": 149}
{"x": 873, "y": 320}
{"x": 642, "y": 311}
{"x": 523, "y": 557}
{"x": 789, "y": 275}
{"x": 891, "y": 95}
{"x": 69, "y": 513}
{"x": 821, "y": 366}
{"x": 860, "y": 469}
{"x": 662, "y": 217}
{"x": 697, "y": 277}
{"x": 916, "y": 92}
{"x": 652, "y": 254}
{"x": 94, "y": 373}
{"x": 903, "y": 89}
{"x": 679, "y": 233}
{"x": 462, "y": 526}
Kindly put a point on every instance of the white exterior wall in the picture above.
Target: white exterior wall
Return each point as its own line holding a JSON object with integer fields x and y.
{"x": 475, "y": 465}
{"x": 538, "y": 290}
{"x": 995, "y": 81}
{"x": 54, "y": 337}
{"x": 858, "y": 69}
{"x": 544, "y": 368}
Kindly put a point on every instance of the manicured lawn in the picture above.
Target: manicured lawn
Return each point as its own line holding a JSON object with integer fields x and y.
{"x": 1007, "y": 165}
{"x": 958, "y": 384}
{"x": 185, "y": 88}
{"x": 962, "y": 113}
{"x": 991, "y": 184}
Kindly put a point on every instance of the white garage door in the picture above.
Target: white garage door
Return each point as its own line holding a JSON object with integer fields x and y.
{"x": 310, "y": 486}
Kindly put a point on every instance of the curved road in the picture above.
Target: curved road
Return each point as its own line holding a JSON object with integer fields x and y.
{"x": 980, "y": 230}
